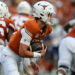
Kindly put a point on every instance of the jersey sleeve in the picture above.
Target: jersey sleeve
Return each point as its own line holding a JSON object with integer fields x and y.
{"x": 3, "y": 31}
{"x": 2, "y": 36}
{"x": 26, "y": 38}
{"x": 10, "y": 23}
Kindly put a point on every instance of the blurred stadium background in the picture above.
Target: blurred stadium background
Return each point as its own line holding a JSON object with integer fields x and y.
{"x": 65, "y": 11}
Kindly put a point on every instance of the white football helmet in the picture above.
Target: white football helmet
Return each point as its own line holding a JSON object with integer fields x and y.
{"x": 42, "y": 10}
{"x": 25, "y": 8}
{"x": 3, "y": 10}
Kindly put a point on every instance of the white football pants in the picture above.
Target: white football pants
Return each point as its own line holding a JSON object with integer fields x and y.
{"x": 67, "y": 53}
{"x": 9, "y": 62}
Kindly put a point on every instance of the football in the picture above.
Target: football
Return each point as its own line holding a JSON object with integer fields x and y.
{"x": 37, "y": 46}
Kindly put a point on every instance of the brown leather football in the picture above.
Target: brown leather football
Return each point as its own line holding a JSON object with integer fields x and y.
{"x": 36, "y": 46}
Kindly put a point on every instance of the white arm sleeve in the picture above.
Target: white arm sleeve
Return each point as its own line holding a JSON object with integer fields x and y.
{"x": 26, "y": 39}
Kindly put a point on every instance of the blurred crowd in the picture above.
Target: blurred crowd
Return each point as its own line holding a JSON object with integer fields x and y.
{"x": 65, "y": 11}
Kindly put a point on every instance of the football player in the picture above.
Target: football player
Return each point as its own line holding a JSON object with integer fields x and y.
{"x": 66, "y": 63}
{"x": 24, "y": 12}
{"x": 33, "y": 29}
{"x": 6, "y": 27}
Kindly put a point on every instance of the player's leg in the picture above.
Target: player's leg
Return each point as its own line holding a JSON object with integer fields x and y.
{"x": 27, "y": 66}
{"x": 65, "y": 59}
{"x": 73, "y": 65}
{"x": 1, "y": 68}
{"x": 9, "y": 63}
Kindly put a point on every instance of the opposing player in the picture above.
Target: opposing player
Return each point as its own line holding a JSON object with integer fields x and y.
{"x": 34, "y": 29}
{"x": 66, "y": 63}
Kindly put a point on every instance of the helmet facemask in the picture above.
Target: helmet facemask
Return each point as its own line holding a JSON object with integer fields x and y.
{"x": 43, "y": 10}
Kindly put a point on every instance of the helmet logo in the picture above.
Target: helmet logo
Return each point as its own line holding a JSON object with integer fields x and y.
{"x": 44, "y": 6}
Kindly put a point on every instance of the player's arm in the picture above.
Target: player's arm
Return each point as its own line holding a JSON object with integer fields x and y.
{"x": 24, "y": 45}
{"x": 1, "y": 42}
{"x": 10, "y": 31}
{"x": 11, "y": 27}
{"x": 2, "y": 38}
{"x": 23, "y": 51}
{"x": 65, "y": 57}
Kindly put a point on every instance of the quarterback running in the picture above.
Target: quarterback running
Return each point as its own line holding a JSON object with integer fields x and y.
{"x": 33, "y": 29}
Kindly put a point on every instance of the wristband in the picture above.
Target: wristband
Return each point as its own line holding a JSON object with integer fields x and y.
{"x": 60, "y": 74}
{"x": 36, "y": 55}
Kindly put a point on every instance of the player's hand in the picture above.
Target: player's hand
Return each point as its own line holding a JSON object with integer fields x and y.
{"x": 43, "y": 51}
{"x": 35, "y": 66}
